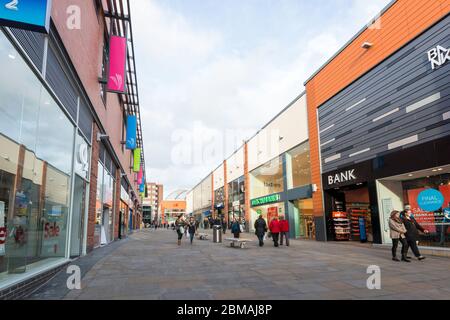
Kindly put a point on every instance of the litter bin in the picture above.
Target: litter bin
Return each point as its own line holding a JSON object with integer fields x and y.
{"x": 217, "y": 233}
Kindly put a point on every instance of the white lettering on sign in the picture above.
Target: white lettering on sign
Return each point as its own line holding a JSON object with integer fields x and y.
{"x": 12, "y": 5}
{"x": 342, "y": 177}
{"x": 438, "y": 56}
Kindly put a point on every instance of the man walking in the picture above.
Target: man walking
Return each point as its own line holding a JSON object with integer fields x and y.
{"x": 284, "y": 230}
{"x": 260, "y": 229}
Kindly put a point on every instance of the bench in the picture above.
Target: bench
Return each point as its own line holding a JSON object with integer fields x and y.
{"x": 238, "y": 241}
{"x": 202, "y": 236}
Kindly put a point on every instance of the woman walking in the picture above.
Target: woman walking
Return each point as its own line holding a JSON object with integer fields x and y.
{"x": 397, "y": 233}
{"x": 412, "y": 233}
{"x": 180, "y": 225}
{"x": 192, "y": 228}
{"x": 235, "y": 228}
{"x": 274, "y": 228}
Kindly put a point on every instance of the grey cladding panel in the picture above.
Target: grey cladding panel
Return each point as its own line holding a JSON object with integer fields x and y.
{"x": 60, "y": 83}
{"x": 400, "y": 98}
{"x": 32, "y": 43}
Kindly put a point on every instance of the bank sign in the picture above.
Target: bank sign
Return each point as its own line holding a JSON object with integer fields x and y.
{"x": 26, "y": 14}
{"x": 265, "y": 200}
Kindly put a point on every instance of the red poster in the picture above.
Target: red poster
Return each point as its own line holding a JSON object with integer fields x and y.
{"x": 425, "y": 219}
{"x": 117, "y": 64}
{"x": 445, "y": 190}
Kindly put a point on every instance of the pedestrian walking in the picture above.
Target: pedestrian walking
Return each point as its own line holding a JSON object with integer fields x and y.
{"x": 180, "y": 226}
{"x": 224, "y": 225}
{"x": 235, "y": 228}
{"x": 192, "y": 228}
{"x": 284, "y": 230}
{"x": 274, "y": 228}
{"x": 260, "y": 229}
{"x": 412, "y": 233}
{"x": 397, "y": 233}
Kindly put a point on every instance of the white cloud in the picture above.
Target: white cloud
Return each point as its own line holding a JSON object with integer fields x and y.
{"x": 189, "y": 76}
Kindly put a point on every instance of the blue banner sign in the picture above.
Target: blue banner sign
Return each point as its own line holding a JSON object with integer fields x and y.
{"x": 131, "y": 132}
{"x": 26, "y": 14}
{"x": 430, "y": 200}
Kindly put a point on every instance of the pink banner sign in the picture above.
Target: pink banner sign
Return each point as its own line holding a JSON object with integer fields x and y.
{"x": 117, "y": 64}
{"x": 140, "y": 174}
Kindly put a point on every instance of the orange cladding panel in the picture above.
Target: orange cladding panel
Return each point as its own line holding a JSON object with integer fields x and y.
{"x": 398, "y": 25}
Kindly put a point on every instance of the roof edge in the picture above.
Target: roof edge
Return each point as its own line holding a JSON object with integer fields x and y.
{"x": 386, "y": 8}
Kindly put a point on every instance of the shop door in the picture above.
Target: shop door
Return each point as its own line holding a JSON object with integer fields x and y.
{"x": 120, "y": 224}
{"x": 130, "y": 222}
{"x": 79, "y": 205}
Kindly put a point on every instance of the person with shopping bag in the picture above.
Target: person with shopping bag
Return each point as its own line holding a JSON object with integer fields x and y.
{"x": 180, "y": 225}
{"x": 235, "y": 228}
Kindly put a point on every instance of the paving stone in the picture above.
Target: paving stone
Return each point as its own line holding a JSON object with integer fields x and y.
{"x": 150, "y": 266}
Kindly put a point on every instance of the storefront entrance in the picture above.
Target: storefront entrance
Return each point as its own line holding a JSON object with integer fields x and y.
{"x": 351, "y": 217}
{"x": 432, "y": 211}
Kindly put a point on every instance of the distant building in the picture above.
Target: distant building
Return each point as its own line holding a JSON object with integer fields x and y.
{"x": 152, "y": 203}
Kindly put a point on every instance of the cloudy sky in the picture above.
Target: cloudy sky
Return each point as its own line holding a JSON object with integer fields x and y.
{"x": 212, "y": 72}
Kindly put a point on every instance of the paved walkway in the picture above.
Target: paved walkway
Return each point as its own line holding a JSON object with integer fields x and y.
{"x": 149, "y": 265}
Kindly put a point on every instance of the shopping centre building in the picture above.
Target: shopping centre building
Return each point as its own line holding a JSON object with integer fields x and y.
{"x": 379, "y": 126}
{"x": 68, "y": 181}
{"x": 269, "y": 175}
{"x": 371, "y": 134}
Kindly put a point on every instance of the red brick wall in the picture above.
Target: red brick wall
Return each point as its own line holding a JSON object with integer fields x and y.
{"x": 92, "y": 191}
{"x": 117, "y": 205}
{"x": 85, "y": 49}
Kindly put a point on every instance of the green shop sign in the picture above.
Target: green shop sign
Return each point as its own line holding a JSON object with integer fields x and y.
{"x": 265, "y": 200}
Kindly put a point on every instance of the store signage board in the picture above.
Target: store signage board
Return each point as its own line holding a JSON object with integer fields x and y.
{"x": 438, "y": 56}
{"x": 430, "y": 200}
{"x": 350, "y": 175}
{"x": 31, "y": 15}
{"x": 117, "y": 64}
{"x": 265, "y": 200}
{"x": 344, "y": 176}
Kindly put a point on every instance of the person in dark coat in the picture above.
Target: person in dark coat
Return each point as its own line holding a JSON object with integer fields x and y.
{"x": 274, "y": 228}
{"x": 260, "y": 229}
{"x": 412, "y": 233}
{"x": 192, "y": 227}
{"x": 235, "y": 228}
{"x": 224, "y": 225}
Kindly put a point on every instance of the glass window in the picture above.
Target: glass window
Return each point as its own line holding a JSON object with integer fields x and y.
{"x": 304, "y": 219}
{"x": 20, "y": 96}
{"x": 267, "y": 179}
{"x": 99, "y": 205}
{"x": 397, "y": 192}
{"x": 36, "y": 149}
{"x": 298, "y": 166}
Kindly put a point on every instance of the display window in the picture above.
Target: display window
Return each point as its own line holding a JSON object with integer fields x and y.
{"x": 267, "y": 179}
{"x": 36, "y": 144}
{"x": 268, "y": 212}
{"x": 427, "y": 192}
{"x": 298, "y": 166}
